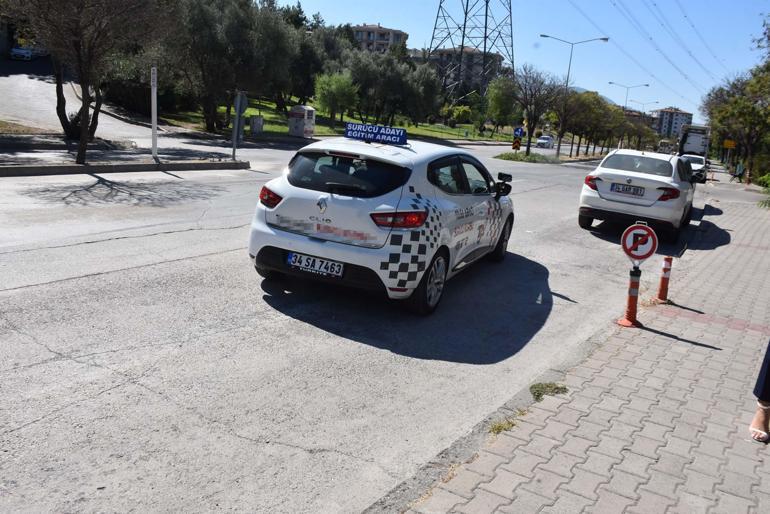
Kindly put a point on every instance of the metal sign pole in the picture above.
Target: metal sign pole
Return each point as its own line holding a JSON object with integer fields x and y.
{"x": 235, "y": 122}
{"x": 154, "y": 109}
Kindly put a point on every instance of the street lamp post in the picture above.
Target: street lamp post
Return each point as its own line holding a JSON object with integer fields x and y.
{"x": 644, "y": 104}
{"x": 569, "y": 69}
{"x": 625, "y": 103}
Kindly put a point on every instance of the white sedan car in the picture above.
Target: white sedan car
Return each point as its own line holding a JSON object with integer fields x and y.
{"x": 630, "y": 186}
{"x": 398, "y": 219}
{"x": 699, "y": 166}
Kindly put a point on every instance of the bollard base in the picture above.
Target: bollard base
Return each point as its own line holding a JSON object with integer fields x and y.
{"x": 627, "y": 323}
{"x": 658, "y": 301}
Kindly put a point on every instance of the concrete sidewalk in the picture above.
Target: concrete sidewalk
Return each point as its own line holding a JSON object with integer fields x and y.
{"x": 655, "y": 419}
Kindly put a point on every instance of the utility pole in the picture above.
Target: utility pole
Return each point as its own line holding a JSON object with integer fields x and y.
{"x": 154, "y": 110}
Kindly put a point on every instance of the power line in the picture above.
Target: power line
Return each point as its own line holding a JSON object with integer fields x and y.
{"x": 630, "y": 56}
{"x": 661, "y": 18}
{"x": 697, "y": 33}
{"x": 629, "y": 16}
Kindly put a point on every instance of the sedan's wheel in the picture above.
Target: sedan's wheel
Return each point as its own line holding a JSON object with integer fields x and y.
{"x": 427, "y": 296}
{"x": 498, "y": 254}
{"x": 585, "y": 221}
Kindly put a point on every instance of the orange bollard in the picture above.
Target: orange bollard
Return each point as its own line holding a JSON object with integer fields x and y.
{"x": 633, "y": 295}
{"x": 664, "y": 278}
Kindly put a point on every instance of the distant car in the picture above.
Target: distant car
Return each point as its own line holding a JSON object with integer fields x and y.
{"x": 544, "y": 142}
{"x": 630, "y": 186}
{"x": 20, "y": 53}
{"x": 700, "y": 166}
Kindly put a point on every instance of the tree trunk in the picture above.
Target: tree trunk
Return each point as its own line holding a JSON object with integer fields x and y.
{"x": 558, "y": 143}
{"x": 571, "y": 145}
{"x": 342, "y": 117}
{"x": 593, "y": 152}
{"x": 209, "y": 113}
{"x": 228, "y": 112}
{"x": 61, "y": 102}
{"x": 529, "y": 140}
{"x": 280, "y": 103}
{"x": 580, "y": 142}
{"x": 332, "y": 117}
{"x": 84, "y": 119}
{"x": 95, "y": 118}
{"x": 588, "y": 143}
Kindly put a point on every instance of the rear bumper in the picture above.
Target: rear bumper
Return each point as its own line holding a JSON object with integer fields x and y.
{"x": 619, "y": 217}
{"x": 276, "y": 259}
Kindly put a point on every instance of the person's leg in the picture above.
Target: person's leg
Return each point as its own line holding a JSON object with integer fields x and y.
{"x": 759, "y": 425}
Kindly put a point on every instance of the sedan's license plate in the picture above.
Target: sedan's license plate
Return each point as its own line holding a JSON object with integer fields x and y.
{"x": 626, "y": 189}
{"x": 315, "y": 265}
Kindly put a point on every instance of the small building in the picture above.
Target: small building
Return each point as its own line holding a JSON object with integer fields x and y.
{"x": 376, "y": 38}
{"x": 669, "y": 121}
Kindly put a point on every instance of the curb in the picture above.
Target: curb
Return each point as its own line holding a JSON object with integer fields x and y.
{"x": 79, "y": 169}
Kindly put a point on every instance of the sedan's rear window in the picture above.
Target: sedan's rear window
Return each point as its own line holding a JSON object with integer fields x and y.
{"x": 693, "y": 159}
{"x": 639, "y": 164}
{"x": 347, "y": 175}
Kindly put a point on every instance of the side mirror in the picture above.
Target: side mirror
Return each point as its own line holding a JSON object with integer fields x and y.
{"x": 502, "y": 189}
{"x": 504, "y": 177}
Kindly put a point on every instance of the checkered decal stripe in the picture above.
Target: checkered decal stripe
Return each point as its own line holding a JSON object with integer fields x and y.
{"x": 495, "y": 216}
{"x": 409, "y": 250}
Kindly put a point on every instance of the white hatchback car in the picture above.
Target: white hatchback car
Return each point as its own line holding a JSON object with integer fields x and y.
{"x": 630, "y": 186}
{"x": 399, "y": 219}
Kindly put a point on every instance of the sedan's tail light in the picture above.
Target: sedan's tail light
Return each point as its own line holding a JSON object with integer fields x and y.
{"x": 590, "y": 181}
{"x": 268, "y": 198}
{"x": 412, "y": 219}
{"x": 669, "y": 193}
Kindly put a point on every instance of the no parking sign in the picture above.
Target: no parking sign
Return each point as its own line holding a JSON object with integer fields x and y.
{"x": 639, "y": 243}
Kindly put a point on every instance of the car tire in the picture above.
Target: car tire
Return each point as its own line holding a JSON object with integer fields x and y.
{"x": 498, "y": 254}
{"x": 585, "y": 222}
{"x": 429, "y": 292}
{"x": 268, "y": 274}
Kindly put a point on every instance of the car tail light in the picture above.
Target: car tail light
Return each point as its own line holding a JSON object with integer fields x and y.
{"x": 669, "y": 193}
{"x": 590, "y": 181}
{"x": 411, "y": 219}
{"x": 268, "y": 198}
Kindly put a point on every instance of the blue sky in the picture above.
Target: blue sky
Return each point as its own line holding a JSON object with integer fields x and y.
{"x": 679, "y": 79}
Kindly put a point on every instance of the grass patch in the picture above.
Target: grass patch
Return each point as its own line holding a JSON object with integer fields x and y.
{"x": 541, "y": 389}
{"x": 7, "y": 127}
{"x": 502, "y": 425}
{"x": 533, "y": 157}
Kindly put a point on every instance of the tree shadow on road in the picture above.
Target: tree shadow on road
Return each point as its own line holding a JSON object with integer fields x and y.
{"x": 488, "y": 313}
{"x": 109, "y": 192}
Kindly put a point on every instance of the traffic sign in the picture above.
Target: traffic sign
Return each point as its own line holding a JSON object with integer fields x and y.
{"x": 729, "y": 143}
{"x": 639, "y": 243}
{"x": 518, "y": 132}
{"x": 516, "y": 145}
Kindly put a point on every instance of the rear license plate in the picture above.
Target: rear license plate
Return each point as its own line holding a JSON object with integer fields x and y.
{"x": 315, "y": 265}
{"x": 625, "y": 189}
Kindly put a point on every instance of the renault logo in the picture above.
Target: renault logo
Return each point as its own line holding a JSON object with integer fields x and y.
{"x": 628, "y": 181}
{"x": 321, "y": 205}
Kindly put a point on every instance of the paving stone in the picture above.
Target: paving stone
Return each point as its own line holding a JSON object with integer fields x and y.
{"x": 486, "y": 463}
{"x": 556, "y": 430}
{"x": 552, "y": 403}
{"x": 736, "y": 484}
{"x": 718, "y": 432}
{"x": 526, "y": 501}
{"x": 523, "y": 463}
{"x": 686, "y": 431}
{"x": 623, "y": 483}
{"x": 742, "y": 465}
{"x": 541, "y": 446}
{"x": 700, "y": 484}
{"x": 567, "y": 503}
{"x": 705, "y": 464}
{"x": 505, "y": 483}
{"x": 600, "y": 416}
{"x": 609, "y": 503}
{"x": 562, "y": 463}
{"x": 631, "y": 417}
{"x": 576, "y": 446}
{"x": 650, "y": 502}
{"x": 537, "y": 416}
{"x": 585, "y": 483}
{"x": 635, "y": 463}
{"x": 645, "y": 446}
{"x": 439, "y": 502}
{"x": 568, "y": 415}
{"x": 582, "y": 403}
{"x": 611, "y": 404}
{"x": 483, "y": 502}
{"x": 505, "y": 444}
{"x": 662, "y": 484}
{"x": 711, "y": 447}
{"x": 523, "y": 429}
{"x": 729, "y": 503}
{"x": 463, "y": 483}
{"x": 663, "y": 417}
{"x": 588, "y": 430}
{"x": 678, "y": 446}
{"x": 611, "y": 446}
{"x": 598, "y": 463}
{"x": 654, "y": 431}
{"x": 690, "y": 504}
{"x": 544, "y": 483}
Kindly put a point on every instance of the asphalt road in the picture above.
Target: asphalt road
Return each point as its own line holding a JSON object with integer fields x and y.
{"x": 145, "y": 365}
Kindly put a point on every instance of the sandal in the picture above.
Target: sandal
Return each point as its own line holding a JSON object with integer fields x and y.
{"x": 764, "y": 436}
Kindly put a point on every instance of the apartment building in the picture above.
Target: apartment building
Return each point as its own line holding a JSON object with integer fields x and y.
{"x": 376, "y": 38}
{"x": 470, "y": 73}
{"x": 669, "y": 121}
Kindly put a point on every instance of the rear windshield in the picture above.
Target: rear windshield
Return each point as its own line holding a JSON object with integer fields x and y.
{"x": 347, "y": 175}
{"x": 639, "y": 164}
{"x": 693, "y": 159}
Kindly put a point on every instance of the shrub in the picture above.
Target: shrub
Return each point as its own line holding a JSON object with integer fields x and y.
{"x": 462, "y": 114}
{"x": 533, "y": 157}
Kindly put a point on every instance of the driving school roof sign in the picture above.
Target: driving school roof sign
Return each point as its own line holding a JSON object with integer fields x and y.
{"x": 375, "y": 133}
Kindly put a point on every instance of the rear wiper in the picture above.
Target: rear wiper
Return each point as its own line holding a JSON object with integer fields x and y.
{"x": 339, "y": 186}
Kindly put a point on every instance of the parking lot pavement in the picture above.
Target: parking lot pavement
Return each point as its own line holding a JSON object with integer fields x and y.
{"x": 144, "y": 364}
{"x": 655, "y": 419}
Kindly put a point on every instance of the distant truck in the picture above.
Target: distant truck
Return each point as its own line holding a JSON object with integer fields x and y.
{"x": 665, "y": 146}
{"x": 695, "y": 140}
